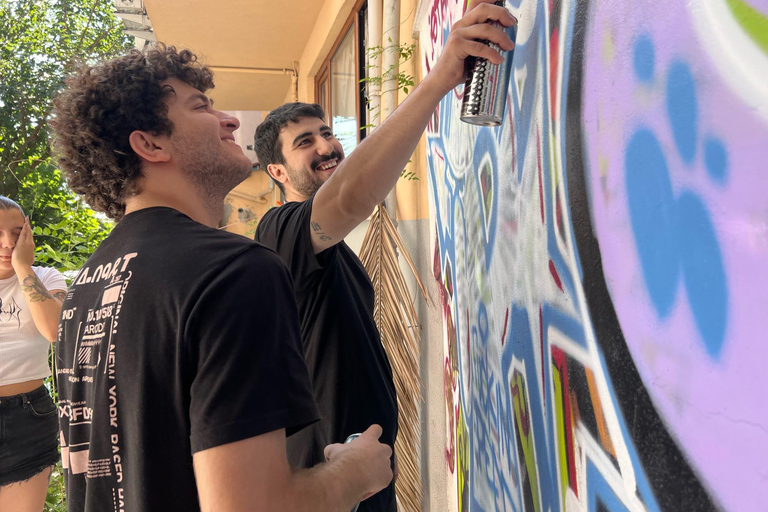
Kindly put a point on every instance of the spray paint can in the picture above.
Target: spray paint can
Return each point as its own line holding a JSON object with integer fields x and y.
{"x": 351, "y": 438}
{"x": 485, "y": 91}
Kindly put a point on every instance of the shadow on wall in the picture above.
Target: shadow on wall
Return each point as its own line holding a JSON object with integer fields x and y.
{"x": 602, "y": 261}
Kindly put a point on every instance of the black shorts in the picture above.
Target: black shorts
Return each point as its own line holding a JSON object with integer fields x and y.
{"x": 29, "y": 440}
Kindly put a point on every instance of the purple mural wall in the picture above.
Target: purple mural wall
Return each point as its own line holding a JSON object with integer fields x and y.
{"x": 603, "y": 261}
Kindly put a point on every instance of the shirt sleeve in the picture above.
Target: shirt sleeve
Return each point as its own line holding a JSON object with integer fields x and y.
{"x": 51, "y": 278}
{"x": 285, "y": 230}
{"x": 249, "y": 375}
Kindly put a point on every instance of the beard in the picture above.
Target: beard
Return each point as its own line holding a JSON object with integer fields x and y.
{"x": 213, "y": 171}
{"x": 307, "y": 181}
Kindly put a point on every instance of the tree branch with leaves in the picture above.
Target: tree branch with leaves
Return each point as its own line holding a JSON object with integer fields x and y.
{"x": 40, "y": 44}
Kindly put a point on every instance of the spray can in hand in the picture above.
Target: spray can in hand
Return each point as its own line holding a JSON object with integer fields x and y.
{"x": 485, "y": 91}
{"x": 349, "y": 440}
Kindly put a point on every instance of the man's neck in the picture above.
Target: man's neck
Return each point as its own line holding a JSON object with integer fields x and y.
{"x": 197, "y": 211}
{"x": 293, "y": 196}
{"x": 179, "y": 194}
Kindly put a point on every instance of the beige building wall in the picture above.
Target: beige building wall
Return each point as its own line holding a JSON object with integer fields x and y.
{"x": 247, "y": 204}
{"x": 333, "y": 14}
{"x": 412, "y": 196}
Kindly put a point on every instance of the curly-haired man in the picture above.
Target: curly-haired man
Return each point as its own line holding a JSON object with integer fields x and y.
{"x": 179, "y": 361}
{"x": 327, "y": 197}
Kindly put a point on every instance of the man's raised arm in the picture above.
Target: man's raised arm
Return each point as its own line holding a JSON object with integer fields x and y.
{"x": 365, "y": 178}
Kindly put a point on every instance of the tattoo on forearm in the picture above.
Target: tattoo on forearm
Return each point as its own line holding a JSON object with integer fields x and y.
{"x": 60, "y": 295}
{"x": 37, "y": 292}
{"x": 319, "y": 231}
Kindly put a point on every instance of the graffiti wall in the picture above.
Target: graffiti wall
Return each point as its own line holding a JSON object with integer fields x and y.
{"x": 603, "y": 261}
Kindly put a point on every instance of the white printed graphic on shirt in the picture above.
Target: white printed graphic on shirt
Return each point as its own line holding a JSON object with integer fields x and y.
{"x": 94, "y": 354}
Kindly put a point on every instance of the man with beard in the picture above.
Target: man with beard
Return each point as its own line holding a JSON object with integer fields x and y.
{"x": 179, "y": 362}
{"x": 327, "y": 196}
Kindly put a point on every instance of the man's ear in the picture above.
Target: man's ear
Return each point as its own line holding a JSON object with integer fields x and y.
{"x": 150, "y": 147}
{"x": 277, "y": 171}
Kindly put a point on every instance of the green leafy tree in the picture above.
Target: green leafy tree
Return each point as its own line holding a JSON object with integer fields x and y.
{"x": 71, "y": 231}
{"x": 41, "y": 42}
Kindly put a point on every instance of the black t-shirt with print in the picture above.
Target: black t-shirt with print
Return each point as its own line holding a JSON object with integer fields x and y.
{"x": 175, "y": 338}
{"x": 348, "y": 365}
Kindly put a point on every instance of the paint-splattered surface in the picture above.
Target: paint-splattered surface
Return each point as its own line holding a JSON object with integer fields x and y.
{"x": 603, "y": 261}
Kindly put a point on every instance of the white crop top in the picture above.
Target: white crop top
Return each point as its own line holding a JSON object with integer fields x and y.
{"x": 23, "y": 350}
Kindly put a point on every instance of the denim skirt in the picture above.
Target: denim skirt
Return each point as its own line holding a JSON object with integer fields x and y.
{"x": 29, "y": 440}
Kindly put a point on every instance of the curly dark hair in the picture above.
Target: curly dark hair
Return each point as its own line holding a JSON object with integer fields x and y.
{"x": 100, "y": 108}
{"x": 266, "y": 140}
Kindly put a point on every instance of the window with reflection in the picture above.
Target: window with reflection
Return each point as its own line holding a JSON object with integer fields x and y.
{"x": 338, "y": 87}
{"x": 344, "y": 87}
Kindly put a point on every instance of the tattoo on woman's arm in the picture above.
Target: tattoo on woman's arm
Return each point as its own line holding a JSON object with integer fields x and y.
{"x": 319, "y": 231}
{"x": 37, "y": 292}
{"x": 60, "y": 295}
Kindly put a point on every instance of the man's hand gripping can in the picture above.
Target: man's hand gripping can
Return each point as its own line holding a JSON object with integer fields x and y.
{"x": 485, "y": 91}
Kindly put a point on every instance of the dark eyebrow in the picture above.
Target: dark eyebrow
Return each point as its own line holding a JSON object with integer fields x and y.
{"x": 200, "y": 97}
{"x": 301, "y": 136}
{"x": 307, "y": 134}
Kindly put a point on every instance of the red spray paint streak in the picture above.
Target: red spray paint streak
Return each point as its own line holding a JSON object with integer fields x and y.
{"x": 554, "y": 61}
{"x": 555, "y": 275}
{"x": 506, "y": 323}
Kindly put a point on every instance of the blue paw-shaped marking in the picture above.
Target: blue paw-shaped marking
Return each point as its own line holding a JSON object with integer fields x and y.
{"x": 674, "y": 233}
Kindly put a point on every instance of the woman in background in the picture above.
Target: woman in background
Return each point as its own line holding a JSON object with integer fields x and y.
{"x": 30, "y": 305}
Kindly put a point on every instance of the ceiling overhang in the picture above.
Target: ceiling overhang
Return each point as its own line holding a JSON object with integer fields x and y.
{"x": 253, "y": 46}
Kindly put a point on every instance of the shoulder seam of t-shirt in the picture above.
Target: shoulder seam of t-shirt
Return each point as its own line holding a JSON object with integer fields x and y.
{"x": 202, "y": 289}
{"x": 251, "y": 245}
{"x": 247, "y": 247}
{"x": 317, "y": 264}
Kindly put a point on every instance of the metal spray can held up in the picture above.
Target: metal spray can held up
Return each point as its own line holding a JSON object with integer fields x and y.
{"x": 485, "y": 91}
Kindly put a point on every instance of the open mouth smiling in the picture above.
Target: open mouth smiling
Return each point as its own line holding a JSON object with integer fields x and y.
{"x": 327, "y": 165}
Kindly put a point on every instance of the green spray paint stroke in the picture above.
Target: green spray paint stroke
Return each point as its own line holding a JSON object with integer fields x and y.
{"x": 753, "y": 22}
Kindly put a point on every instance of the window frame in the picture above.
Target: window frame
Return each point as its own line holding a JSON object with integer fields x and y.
{"x": 355, "y": 23}
{"x": 324, "y": 78}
